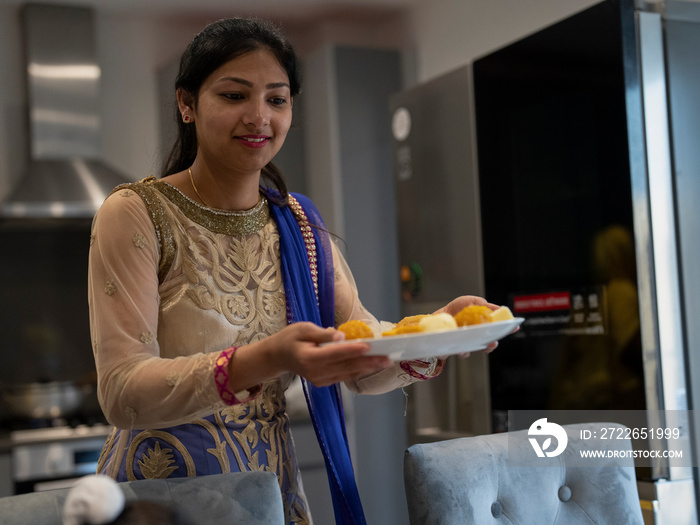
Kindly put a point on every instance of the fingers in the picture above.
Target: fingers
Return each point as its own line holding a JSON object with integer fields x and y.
{"x": 349, "y": 370}
{"x": 313, "y": 333}
{"x": 324, "y": 365}
{"x": 454, "y": 306}
{"x": 491, "y": 347}
{"x": 342, "y": 351}
{"x": 484, "y": 302}
{"x": 349, "y": 355}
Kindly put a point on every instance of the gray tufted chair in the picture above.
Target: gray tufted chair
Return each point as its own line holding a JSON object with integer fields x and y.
{"x": 237, "y": 498}
{"x": 477, "y": 481}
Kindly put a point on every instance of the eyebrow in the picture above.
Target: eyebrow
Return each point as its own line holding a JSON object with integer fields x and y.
{"x": 248, "y": 83}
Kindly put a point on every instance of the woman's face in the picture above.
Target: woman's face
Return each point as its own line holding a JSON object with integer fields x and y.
{"x": 243, "y": 113}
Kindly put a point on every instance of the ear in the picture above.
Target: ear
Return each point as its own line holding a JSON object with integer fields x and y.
{"x": 185, "y": 103}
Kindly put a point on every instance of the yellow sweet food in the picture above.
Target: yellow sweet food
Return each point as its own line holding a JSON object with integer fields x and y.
{"x": 501, "y": 314}
{"x": 405, "y": 329}
{"x": 407, "y": 325}
{"x": 437, "y": 322}
{"x": 355, "y": 329}
{"x": 474, "y": 314}
{"x": 470, "y": 315}
{"x": 411, "y": 320}
{"x": 423, "y": 323}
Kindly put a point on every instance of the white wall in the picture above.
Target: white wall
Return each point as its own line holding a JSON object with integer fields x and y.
{"x": 125, "y": 47}
{"x": 132, "y": 50}
{"x": 436, "y": 36}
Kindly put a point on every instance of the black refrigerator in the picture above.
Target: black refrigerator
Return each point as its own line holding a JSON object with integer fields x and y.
{"x": 577, "y": 173}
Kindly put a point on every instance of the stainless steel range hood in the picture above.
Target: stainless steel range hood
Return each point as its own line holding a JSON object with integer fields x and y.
{"x": 65, "y": 177}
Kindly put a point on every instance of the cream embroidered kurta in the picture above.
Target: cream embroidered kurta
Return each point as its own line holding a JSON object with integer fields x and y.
{"x": 171, "y": 285}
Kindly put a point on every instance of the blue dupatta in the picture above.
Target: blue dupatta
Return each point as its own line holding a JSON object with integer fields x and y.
{"x": 325, "y": 403}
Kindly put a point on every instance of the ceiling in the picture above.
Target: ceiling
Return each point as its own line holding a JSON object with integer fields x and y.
{"x": 282, "y": 10}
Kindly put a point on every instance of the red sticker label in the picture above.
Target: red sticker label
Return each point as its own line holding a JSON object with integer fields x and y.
{"x": 544, "y": 302}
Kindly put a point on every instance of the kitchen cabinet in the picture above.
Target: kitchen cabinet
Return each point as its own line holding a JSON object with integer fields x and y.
{"x": 5, "y": 474}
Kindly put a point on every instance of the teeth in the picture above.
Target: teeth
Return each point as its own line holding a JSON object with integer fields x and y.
{"x": 253, "y": 140}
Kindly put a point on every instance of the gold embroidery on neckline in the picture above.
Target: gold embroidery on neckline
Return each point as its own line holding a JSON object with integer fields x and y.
{"x": 218, "y": 221}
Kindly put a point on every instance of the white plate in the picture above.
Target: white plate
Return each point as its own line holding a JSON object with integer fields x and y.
{"x": 419, "y": 345}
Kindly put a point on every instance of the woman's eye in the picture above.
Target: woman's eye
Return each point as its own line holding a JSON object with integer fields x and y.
{"x": 232, "y": 96}
{"x": 278, "y": 101}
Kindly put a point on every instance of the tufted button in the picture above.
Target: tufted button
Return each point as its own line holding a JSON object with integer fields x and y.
{"x": 564, "y": 493}
{"x": 496, "y": 509}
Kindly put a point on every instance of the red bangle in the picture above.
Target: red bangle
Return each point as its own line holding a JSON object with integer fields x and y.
{"x": 408, "y": 367}
{"x": 222, "y": 385}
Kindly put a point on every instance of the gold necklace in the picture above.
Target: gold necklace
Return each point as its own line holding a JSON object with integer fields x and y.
{"x": 189, "y": 170}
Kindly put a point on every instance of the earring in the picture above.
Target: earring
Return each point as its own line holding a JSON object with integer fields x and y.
{"x": 186, "y": 119}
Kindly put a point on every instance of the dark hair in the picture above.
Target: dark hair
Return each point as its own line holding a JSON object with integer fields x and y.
{"x": 215, "y": 45}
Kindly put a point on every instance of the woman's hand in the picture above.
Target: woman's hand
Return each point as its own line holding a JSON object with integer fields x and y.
{"x": 296, "y": 349}
{"x": 456, "y": 305}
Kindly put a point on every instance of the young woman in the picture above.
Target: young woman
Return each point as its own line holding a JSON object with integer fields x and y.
{"x": 211, "y": 288}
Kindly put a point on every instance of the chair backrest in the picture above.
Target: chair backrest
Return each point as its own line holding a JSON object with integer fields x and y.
{"x": 475, "y": 480}
{"x": 236, "y": 498}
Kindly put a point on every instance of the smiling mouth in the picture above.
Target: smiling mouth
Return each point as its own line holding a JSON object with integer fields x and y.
{"x": 253, "y": 141}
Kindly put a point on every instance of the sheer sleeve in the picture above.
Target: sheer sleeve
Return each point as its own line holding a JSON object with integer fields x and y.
{"x": 137, "y": 388}
{"x": 348, "y": 306}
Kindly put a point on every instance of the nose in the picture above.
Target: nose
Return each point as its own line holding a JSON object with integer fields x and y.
{"x": 257, "y": 113}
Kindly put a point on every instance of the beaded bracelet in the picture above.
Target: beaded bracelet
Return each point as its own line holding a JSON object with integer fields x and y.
{"x": 222, "y": 385}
